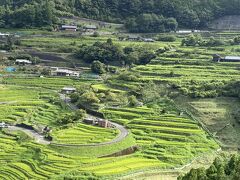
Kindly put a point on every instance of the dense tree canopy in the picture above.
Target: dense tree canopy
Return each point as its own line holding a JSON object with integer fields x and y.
{"x": 158, "y": 15}
{"x": 221, "y": 169}
{"x": 29, "y": 14}
{"x": 109, "y": 53}
{"x": 151, "y": 23}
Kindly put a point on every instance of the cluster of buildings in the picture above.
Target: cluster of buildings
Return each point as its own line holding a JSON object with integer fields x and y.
{"x": 74, "y": 28}
{"x": 98, "y": 122}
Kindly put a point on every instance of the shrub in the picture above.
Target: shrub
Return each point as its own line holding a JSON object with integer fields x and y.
{"x": 98, "y": 67}
{"x": 133, "y": 101}
{"x": 128, "y": 76}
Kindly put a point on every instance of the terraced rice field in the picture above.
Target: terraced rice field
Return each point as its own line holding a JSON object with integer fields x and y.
{"x": 43, "y": 163}
{"x": 167, "y": 137}
{"x": 46, "y": 82}
{"x": 219, "y": 115}
{"x": 164, "y": 140}
{"x": 180, "y": 69}
{"x": 84, "y": 134}
{"x": 29, "y": 105}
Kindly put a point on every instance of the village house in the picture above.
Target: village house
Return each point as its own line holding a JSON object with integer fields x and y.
{"x": 3, "y": 125}
{"x": 23, "y": 62}
{"x": 148, "y": 40}
{"x": 68, "y": 90}
{"x": 90, "y": 120}
{"x": 134, "y": 38}
{"x": 69, "y": 28}
{"x": 90, "y": 28}
{"x": 104, "y": 123}
{"x": 98, "y": 122}
{"x": 55, "y": 71}
{"x": 4, "y": 35}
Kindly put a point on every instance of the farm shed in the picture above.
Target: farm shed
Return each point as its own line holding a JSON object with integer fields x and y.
{"x": 68, "y": 90}
{"x": 55, "y": 71}
{"x": 3, "y": 125}
{"x": 4, "y": 35}
{"x": 134, "y": 38}
{"x": 231, "y": 59}
{"x": 22, "y": 62}
{"x": 69, "y": 28}
{"x": 90, "y": 28}
{"x": 148, "y": 40}
{"x": 218, "y": 58}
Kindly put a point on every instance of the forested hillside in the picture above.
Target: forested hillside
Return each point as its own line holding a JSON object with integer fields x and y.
{"x": 222, "y": 168}
{"x": 154, "y": 15}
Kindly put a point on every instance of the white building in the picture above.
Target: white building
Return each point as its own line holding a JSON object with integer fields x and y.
{"x": 22, "y": 62}
{"x": 68, "y": 28}
{"x": 55, "y": 71}
{"x": 3, "y": 125}
{"x": 148, "y": 40}
{"x": 68, "y": 90}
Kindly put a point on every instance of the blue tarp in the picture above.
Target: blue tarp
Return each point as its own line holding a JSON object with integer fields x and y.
{"x": 10, "y": 69}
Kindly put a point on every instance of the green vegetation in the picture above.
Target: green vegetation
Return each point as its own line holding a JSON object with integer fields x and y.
{"x": 219, "y": 115}
{"x": 72, "y": 117}
{"x": 28, "y": 105}
{"x": 110, "y": 53}
{"x": 83, "y": 134}
{"x": 159, "y": 13}
{"x": 176, "y": 102}
{"x": 26, "y": 15}
{"x": 151, "y": 23}
{"x": 165, "y": 137}
{"x": 222, "y": 168}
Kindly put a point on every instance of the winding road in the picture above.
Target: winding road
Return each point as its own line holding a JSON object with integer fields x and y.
{"x": 39, "y": 138}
